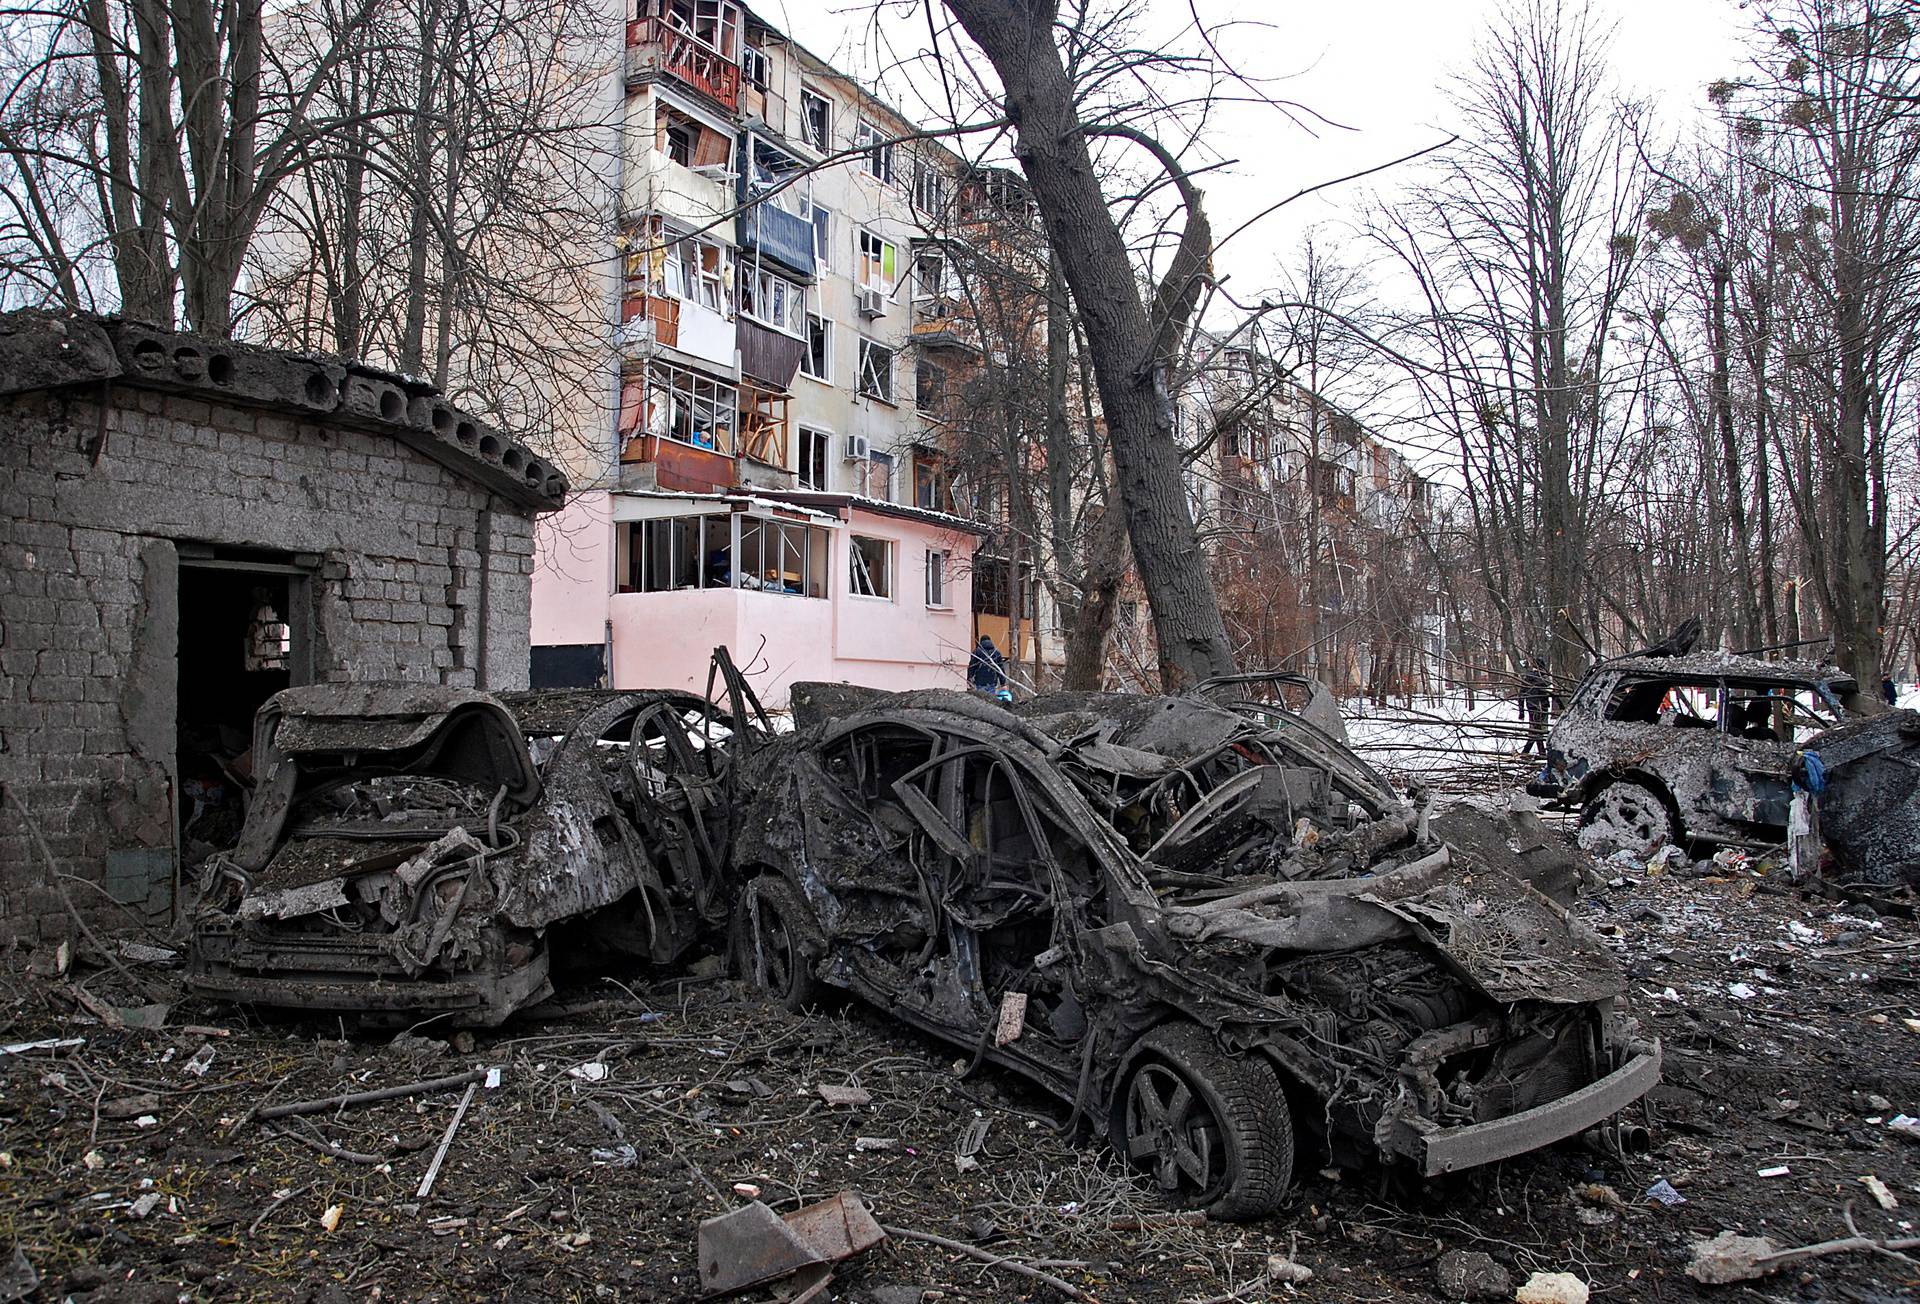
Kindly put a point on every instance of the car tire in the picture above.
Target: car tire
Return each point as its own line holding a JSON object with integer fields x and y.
{"x": 1626, "y": 815}
{"x": 779, "y": 943}
{"x": 1212, "y": 1130}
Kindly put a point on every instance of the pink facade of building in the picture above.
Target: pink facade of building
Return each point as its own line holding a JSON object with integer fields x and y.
{"x": 635, "y": 588}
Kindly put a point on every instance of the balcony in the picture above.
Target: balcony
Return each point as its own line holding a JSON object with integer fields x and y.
{"x": 774, "y": 233}
{"x": 657, "y": 47}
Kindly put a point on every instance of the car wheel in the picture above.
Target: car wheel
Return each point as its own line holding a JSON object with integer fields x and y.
{"x": 1212, "y": 1130}
{"x": 1626, "y": 816}
{"x": 779, "y": 943}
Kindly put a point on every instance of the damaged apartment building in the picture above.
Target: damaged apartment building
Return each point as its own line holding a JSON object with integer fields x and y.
{"x": 191, "y": 526}
{"x": 775, "y": 476}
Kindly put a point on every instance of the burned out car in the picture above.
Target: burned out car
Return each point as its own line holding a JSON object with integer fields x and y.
{"x": 1208, "y": 938}
{"x": 1700, "y": 747}
{"x": 411, "y": 851}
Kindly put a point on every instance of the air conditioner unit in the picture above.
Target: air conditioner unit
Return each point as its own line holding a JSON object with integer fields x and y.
{"x": 871, "y": 303}
{"x": 859, "y": 448}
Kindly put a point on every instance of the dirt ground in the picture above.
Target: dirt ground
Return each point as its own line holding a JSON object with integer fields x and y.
{"x": 1786, "y": 1020}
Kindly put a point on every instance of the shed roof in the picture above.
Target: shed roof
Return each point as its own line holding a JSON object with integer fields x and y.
{"x": 47, "y": 351}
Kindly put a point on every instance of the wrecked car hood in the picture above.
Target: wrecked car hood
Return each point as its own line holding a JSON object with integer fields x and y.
{"x": 1493, "y": 930}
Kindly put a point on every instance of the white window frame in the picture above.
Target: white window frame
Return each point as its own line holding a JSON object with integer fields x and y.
{"x": 937, "y": 254}
{"x": 886, "y": 392}
{"x": 929, "y": 192}
{"x": 824, "y": 141}
{"x": 822, "y": 440}
{"x": 877, "y": 151}
{"x": 821, "y": 219}
{"x": 773, "y": 300}
{"x": 869, "y": 588}
{"x": 825, "y": 374}
{"x": 937, "y": 580}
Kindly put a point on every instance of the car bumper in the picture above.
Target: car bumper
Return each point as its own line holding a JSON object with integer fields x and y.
{"x": 469, "y": 1000}
{"x": 1452, "y": 1149}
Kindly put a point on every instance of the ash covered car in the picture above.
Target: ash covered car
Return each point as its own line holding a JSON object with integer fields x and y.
{"x": 1217, "y": 938}
{"x": 1698, "y": 747}
{"x": 413, "y": 850}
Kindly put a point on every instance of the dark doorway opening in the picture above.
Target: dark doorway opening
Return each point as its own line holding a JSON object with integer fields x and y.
{"x": 244, "y": 636}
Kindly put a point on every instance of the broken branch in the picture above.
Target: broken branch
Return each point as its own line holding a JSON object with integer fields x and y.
{"x": 371, "y": 1097}
{"x": 992, "y": 1260}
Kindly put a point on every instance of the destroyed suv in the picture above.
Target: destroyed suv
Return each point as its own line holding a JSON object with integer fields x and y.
{"x": 1698, "y": 747}
{"x": 1212, "y": 935}
{"x": 411, "y": 850}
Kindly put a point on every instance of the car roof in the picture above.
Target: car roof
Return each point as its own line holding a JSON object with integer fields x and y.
{"x": 1728, "y": 665}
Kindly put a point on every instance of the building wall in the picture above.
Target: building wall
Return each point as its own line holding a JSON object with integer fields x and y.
{"x": 418, "y": 574}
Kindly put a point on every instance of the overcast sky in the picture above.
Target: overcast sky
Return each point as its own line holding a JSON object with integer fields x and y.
{"x": 1375, "y": 66}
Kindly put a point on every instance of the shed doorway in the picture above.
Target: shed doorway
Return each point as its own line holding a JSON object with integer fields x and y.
{"x": 245, "y": 633}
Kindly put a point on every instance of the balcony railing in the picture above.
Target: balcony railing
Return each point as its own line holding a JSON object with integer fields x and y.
{"x": 656, "y": 46}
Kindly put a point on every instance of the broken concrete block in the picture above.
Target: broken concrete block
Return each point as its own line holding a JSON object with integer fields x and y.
{"x": 1471, "y": 1275}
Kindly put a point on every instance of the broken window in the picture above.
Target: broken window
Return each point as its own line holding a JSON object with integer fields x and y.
{"x": 1778, "y": 713}
{"x": 816, "y": 119}
{"x": 690, "y": 142}
{"x": 1680, "y": 704}
{"x": 822, "y": 219}
{"x": 690, "y": 408}
{"x": 878, "y": 263}
{"x": 773, "y": 300}
{"x": 932, "y": 279}
{"x": 778, "y": 178}
{"x": 693, "y": 269}
{"x": 817, "y": 361}
{"x": 876, "y": 371}
{"x": 929, "y": 187}
{"x": 683, "y": 552}
{"x": 813, "y": 458}
{"x": 872, "y": 565}
{"x": 783, "y": 557}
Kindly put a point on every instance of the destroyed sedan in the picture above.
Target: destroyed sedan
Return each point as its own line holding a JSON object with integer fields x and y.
{"x": 412, "y": 851}
{"x": 1211, "y": 936}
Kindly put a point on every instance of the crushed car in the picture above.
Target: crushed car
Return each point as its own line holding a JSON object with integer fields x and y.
{"x": 1865, "y": 776}
{"x": 1218, "y": 938}
{"x": 1689, "y": 747}
{"x": 411, "y": 851}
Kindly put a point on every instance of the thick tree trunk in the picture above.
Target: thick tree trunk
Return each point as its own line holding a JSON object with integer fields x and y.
{"x": 1051, "y": 144}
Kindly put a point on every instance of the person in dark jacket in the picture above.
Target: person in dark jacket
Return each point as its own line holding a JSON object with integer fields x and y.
{"x": 1890, "y": 691}
{"x": 1536, "y": 701}
{"x": 986, "y": 668}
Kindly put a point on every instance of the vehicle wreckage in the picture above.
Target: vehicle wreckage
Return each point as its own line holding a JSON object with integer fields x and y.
{"x": 410, "y": 850}
{"x": 1672, "y": 745}
{"x": 1209, "y": 929}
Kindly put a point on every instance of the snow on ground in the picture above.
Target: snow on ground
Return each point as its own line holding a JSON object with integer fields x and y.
{"x": 1442, "y": 741}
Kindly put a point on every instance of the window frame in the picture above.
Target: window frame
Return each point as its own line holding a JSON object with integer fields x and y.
{"x": 823, "y": 139}
{"x": 825, "y": 374}
{"x": 868, "y": 347}
{"x": 821, "y": 441}
{"x": 924, "y": 173}
{"x": 883, "y": 589}
{"x": 936, "y": 583}
{"x": 759, "y": 284}
{"x": 877, "y": 149}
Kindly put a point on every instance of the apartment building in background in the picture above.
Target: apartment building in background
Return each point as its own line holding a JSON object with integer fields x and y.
{"x": 784, "y": 329}
{"x": 1292, "y": 486}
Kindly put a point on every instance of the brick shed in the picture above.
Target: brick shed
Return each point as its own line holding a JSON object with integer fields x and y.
{"x": 192, "y": 525}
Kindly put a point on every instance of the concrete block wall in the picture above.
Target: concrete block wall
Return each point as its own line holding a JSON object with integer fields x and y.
{"x": 424, "y": 576}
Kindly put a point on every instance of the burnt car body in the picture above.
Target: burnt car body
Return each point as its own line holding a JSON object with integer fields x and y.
{"x": 1869, "y": 798}
{"x": 1191, "y": 925}
{"x": 1700, "y": 747}
{"x": 410, "y": 850}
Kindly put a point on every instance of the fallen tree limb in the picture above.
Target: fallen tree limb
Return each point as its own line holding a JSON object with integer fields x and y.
{"x": 1730, "y": 1257}
{"x": 992, "y": 1260}
{"x": 327, "y": 1147}
{"x": 371, "y": 1097}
